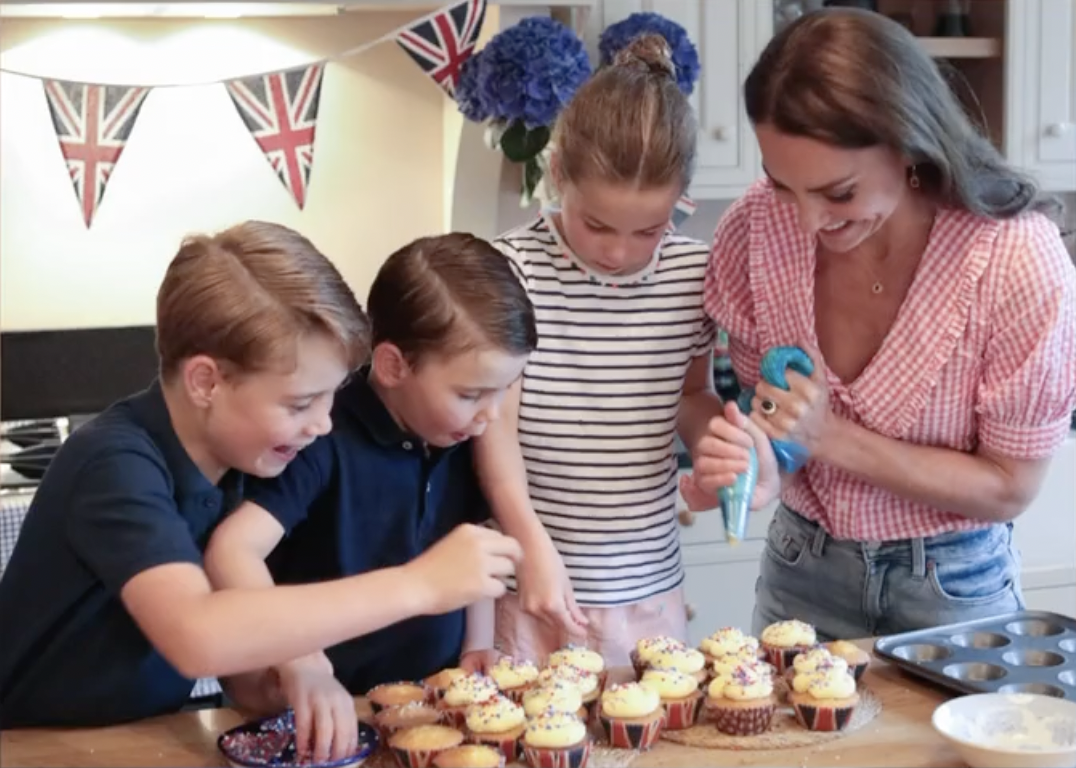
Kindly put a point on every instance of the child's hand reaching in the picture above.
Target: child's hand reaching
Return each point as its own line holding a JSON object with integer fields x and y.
{"x": 326, "y": 726}
{"x": 479, "y": 660}
{"x": 721, "y": 454}
{"x": 545, "y": 590}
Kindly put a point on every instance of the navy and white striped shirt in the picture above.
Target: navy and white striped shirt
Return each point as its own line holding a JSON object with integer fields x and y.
{"x": 600, "y": 400}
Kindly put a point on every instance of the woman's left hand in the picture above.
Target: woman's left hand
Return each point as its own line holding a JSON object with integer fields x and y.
{"x": 802, "y": 413}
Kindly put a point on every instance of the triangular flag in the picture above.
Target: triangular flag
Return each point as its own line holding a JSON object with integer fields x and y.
{"x": 92, "y": 123}
{"x": 440, "y": 44}
{"x": 682, "y": 211}
{"x": 281, "y": 112}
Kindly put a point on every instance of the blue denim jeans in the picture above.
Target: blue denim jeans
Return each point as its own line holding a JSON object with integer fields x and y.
{"x": 850, "y": 589}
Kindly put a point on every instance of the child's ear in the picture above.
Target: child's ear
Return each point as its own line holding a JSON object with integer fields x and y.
{"x": 201, "y": 376}
{"x": 389, "y": 364}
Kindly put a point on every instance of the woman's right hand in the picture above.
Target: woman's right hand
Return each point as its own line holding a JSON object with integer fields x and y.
{"x": 545, "y": 589}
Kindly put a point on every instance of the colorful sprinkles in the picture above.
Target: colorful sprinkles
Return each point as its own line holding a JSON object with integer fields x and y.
{"x": 271, "y": 742}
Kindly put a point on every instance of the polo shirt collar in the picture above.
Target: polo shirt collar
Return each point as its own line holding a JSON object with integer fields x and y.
{"x": 361, "y": 400}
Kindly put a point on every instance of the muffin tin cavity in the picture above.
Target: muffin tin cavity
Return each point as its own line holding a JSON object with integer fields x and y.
{"x": 975, "y": 672}
{"x": 1033, "y": 659}
{"x": 1034, "y": 628}
{"x": 918, "y": 653}
{"x": 1043, "y": 689}
{"x": 980, "y": 640}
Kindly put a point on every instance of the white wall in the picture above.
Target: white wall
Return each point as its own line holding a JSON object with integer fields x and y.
{"x": 191, "y": 165}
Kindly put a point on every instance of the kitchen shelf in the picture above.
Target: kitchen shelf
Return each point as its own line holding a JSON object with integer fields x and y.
{"x": 962, "y": 47}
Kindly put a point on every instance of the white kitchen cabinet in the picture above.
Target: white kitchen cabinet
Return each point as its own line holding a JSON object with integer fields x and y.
{"x": 1041, "y": 90}
{"x": 729, "y": 34}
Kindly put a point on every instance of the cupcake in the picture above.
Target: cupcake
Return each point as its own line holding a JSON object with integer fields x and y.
{"x": 586, "y": 682}
{"x": 828, "y": 701}
{"x": 438, "y": 683}
{"x": 514, "y": 676}
{"x": 498, "y": 723}
{"x": 556, "y": 696}
{"x": 469, "y": 756}
{"x": 394, "y": 695}
{"x": 742, "y": 702}
{"x": 392, "y": 719}
{"x": 813, "y": 661}
{"x": 725, "y": 641}
{"x": 783, "y": 641}
{"x": 646, "y": 648}
{"x": 582, "y": 657}
{"x": 724, "y": 663}
{"x": 632, "y": 716}
{"x": 556, "y": 740}
{"x": 462, "y": 693}
{"x": 857, "y": 659}
{"x": 418, "y": 746}
{"x": 686, "y": 660}
{"x": 679, "y": 694}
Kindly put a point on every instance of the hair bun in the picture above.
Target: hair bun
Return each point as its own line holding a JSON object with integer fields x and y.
{"x": 649, "y": 53}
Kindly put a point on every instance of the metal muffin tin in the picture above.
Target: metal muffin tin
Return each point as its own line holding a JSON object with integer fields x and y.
{"x": 1021, "y": 652}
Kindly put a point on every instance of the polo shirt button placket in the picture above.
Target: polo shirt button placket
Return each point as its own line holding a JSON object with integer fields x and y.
{"x": 407, "y": 445}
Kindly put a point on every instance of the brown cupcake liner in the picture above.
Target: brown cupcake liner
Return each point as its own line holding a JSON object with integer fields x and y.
{"x": 823, "y": 718}
{"x": 575, "y": 756}
{"x": 742, "y": 721}
{"x": 631, "y": 735}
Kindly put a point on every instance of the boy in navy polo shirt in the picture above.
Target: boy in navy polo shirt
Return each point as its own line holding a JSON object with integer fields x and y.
{"x": 452, "y": 330}
{"x": 107, "y": 613}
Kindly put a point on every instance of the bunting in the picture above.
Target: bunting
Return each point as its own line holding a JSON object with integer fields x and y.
{"x": 281, "y": 112}
{"x": 92, "y": 124}
{"x": 441, "y": 43}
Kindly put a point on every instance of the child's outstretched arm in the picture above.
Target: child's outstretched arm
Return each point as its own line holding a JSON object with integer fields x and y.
{"x": 544, "y": 587}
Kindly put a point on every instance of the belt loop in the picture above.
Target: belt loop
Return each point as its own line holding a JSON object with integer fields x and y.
{"x": 919, "y": 558}
{"x": 818, "y": 543}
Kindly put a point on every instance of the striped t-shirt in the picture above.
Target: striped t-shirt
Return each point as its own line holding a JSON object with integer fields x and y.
{"x": 600, "y": 398}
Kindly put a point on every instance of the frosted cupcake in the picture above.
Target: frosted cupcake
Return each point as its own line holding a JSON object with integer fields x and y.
{"x": 581, "y": 657}
{"x": 499, "y": 723}
{"x": 742, "y": 702}
{"x": 392, "y": 719}
{"x": 726, "y": 662}
{"x": 632, "y": 716}
{"x": 465, "y": 691}
{"x": 556, "y": 739}
{"x": 645, "y": 649}
{"x": 586, "y": 682}
{"x": 828, "y": 701}
{"x": 686, "y": 660}
{"x": 785, "y": 640}
{"x": 814, "y": 661}
{"x": 858, "y": 660}
{"x": 514, "y": 676}
{"x": 556, "y": 696}
{"x": 438, "y": 683}
{"x": 725, "y": 641}
{"x": 680, "y": 696}
{"x": 418, "y": 747}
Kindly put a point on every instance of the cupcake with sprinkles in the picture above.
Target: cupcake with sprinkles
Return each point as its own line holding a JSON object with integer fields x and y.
{"x": 785, "y": 640}
{"x": 683, "y": 659}
{"x": 726, "y": 662}
{"x": 469, "y": 756}
{"x": 514, "y": 676}
{"x": 828, "y": 701}
{"x": 727, "y": 640}
{"x": 857, "y": 659}
{"x": 395, "y": 695}
{"x": 679, "y": 694}
{"x": 499, "y": 723}
{"x": 437, "y": 683}
{"x": 556, "y": 740}
{"x": 419, "y": 746}
{"x": 582, "y": 657}
{"x": 812, "y": 662}
{"x": 392, "y": 719}
{"x": 644, "y": 651}
{"x": 586, "y": 682}
{"x": 741, "y": 702}
{"x": 632, "y": 716}
{"x": 462, "y": 693}
{"x": 556, "y": 696}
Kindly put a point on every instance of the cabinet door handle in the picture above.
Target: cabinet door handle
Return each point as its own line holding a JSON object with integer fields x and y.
{"x": 720, "y": 133}
{"x": 1055, "y": 130}
{"x": 689, "y": 611}
{"x": 686, "y": 517}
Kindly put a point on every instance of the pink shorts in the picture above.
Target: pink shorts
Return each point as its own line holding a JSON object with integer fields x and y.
{"x": 612, "y": 631}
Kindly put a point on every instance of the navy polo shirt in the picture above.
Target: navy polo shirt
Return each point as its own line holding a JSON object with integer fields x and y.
{"x": 364, "y": 497}
{"x": 120, "y": 497}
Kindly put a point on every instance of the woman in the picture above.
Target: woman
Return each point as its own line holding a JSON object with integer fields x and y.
{"x": 891, "y": 241}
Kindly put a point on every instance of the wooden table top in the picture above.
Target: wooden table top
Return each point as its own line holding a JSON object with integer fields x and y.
{"x": 900, "y": 736}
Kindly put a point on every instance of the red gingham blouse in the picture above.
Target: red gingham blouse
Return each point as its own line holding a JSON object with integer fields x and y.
{"x": 982, "y": 352}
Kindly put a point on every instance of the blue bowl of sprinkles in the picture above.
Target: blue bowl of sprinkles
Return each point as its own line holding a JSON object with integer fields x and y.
{"x": 270, "y": 743}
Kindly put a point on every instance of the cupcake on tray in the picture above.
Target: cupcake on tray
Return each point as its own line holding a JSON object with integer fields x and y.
{"x": 392, "y": 719}
{"x": 680, "y": 696}
{"x": 785, "y": 640}
{"x": 812, "y": 662}
{"x": 497, "y": 723}
{"x": 858, "y": 659}
{"x": 514, "y": 676}
{"x": 586, "y": 682}
{"x": 683, "y": 659}
{"x": 417, "y": 747}
{"x": 581, "y": 657}
{"x": 828, "y": 701}
{"x": 645, "y": 649}
{"x": 741, "y": 702}
{"x": 462, "y": 693}
{"x": 395, "y": 695}
{"x": 556, "y": 740}
{"x": 725, "y": 641}
{"x": 556, "y": 696}
{"x": 437, "y": 683}
{"x": 469, "y": 756}
{"x": 724, "y": 663}
{"x": 632, "y": 716}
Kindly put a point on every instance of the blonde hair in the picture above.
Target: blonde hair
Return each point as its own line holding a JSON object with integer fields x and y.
{"x": 448, "y": 295}
{"x": 629, "y": 124}
{"x": 247, "y": 295}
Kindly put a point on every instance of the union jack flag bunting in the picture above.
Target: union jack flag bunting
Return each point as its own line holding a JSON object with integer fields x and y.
{"x": 281, "y": 112}
{"x": 440, "y": 44}
{"x": 682, "y": 211}
{"x": 92, "y": 124}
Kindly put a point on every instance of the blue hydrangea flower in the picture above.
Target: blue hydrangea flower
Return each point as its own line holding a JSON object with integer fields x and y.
{"x": 684, "y": 55}
{"x": 530, "y": 71}
{"x": 467, "y": 98}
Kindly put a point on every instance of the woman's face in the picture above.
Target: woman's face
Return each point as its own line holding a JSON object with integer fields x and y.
{"x": 842, "y": 196}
